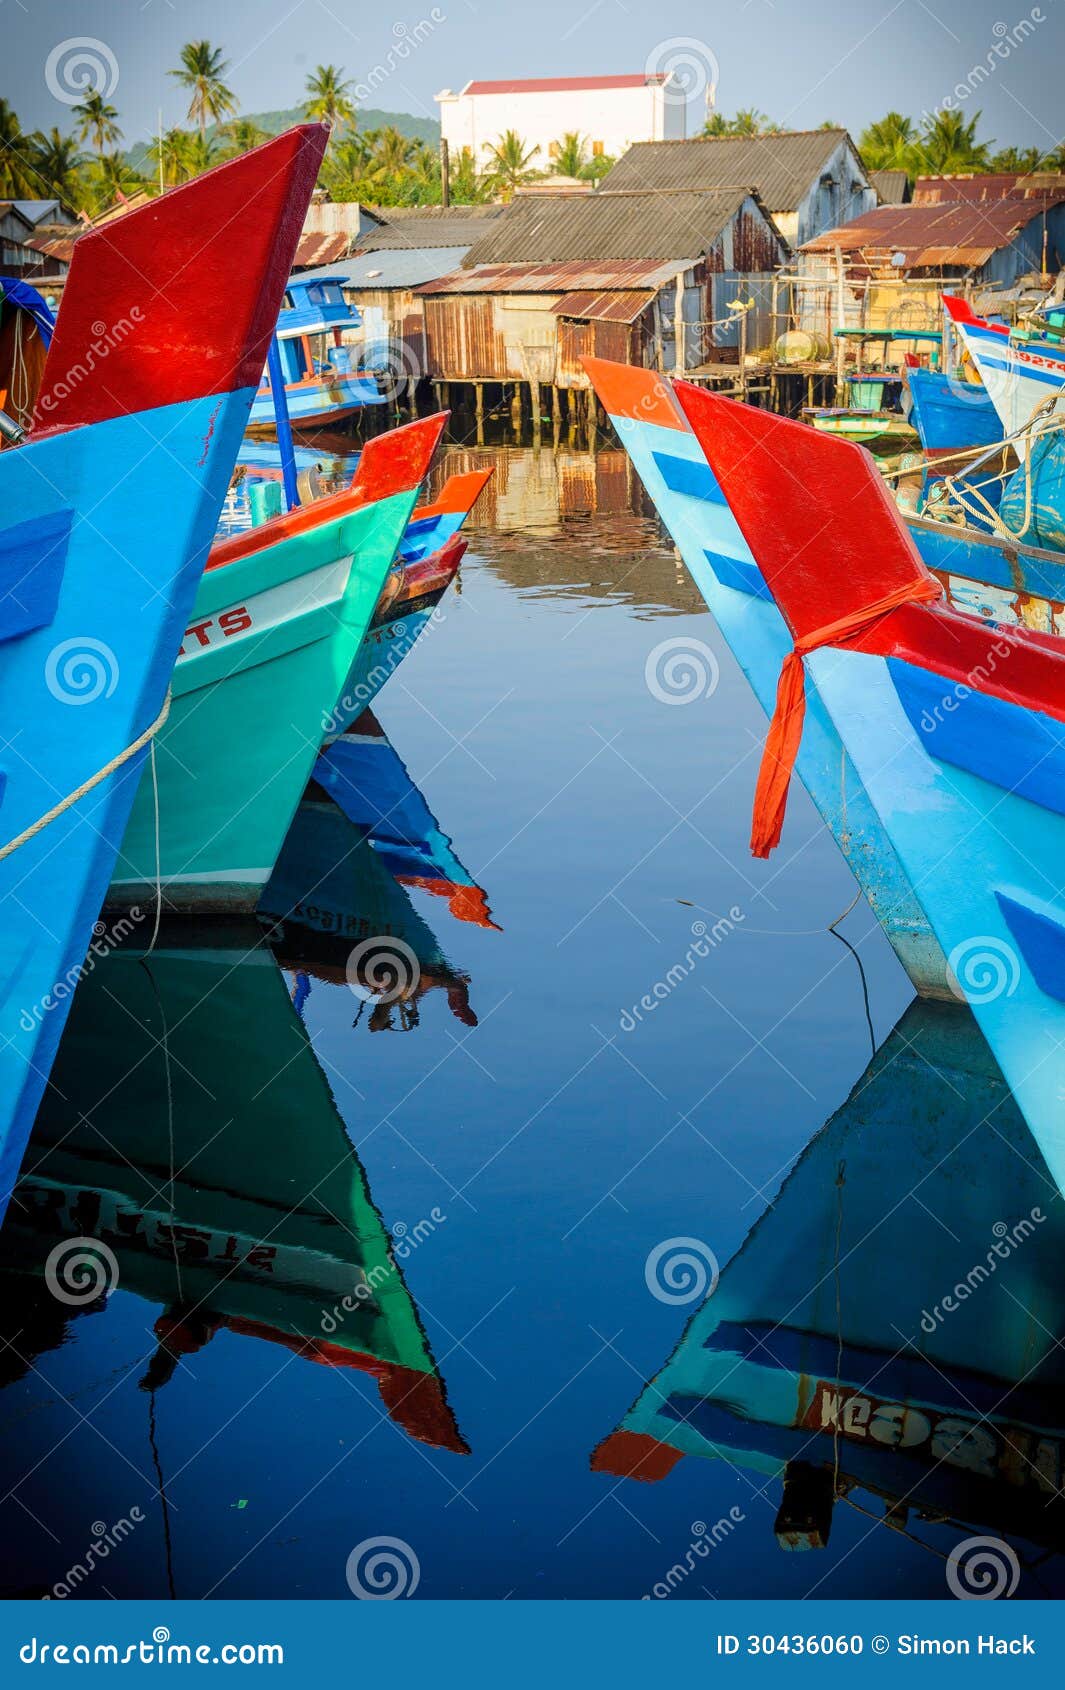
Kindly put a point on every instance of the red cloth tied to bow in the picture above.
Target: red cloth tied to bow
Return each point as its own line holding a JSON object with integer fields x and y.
{"x": 785, "y": 729}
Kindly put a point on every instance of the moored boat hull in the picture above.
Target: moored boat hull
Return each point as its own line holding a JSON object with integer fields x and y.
{"x": 278, "y": 620}
{"x": 116, "y": 494}
{"x": 956, "y": 729}
{"x": 673, "y": 468}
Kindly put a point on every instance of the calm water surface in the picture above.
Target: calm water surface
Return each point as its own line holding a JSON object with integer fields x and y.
{"x": 637, "y": 1058}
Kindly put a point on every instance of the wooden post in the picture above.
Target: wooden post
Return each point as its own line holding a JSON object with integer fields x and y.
{"x": 534, "y": 401}
{"x": 841, "y": 306}
{"x": 479, "y": 402}
{"x": 678, "y": 326}
{"x": 515, "y": 408}
{"x": 445, "y": 173}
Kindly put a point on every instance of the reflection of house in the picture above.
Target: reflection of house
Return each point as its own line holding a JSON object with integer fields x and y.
{"x": 611, "y": 112}
{"x": 808, "y": 180}
{"x": 897, "y": 259}
{"x": 642, "y": 277}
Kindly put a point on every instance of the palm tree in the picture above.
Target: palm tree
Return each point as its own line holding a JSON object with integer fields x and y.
{"x": 1022, "y": 160}
{"x": 571, "y": 157}
{"x": 170, "y": 152}
{"x": 468, "y": 186}
{"x": 98, "y": 120}
{"x": 948, "y": 145}
{"x": 18, "y": 178}
{"x": 747, "y": 121}
{"x": 329, "y": 100}
{"x": 242, "y": 136}
{"x": 888, "y": 144}
{"x": 201, "y": 71}
{"x": 56, "y": 162}
{"x": 511, "y": 159}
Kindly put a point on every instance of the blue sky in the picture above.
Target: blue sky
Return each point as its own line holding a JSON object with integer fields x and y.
{"x": 800, "y": 60}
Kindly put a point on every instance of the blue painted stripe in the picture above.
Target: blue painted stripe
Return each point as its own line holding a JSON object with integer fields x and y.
{"x": 690, "y": 476}
{"x": 889, "y": 1376}
{"x": 33, "y": 557}
{"x": 1022, "y": 751}
{"x": 1040, "y": 933}
{"x": 1014, "y": 366}
{"x": 737, "y": 572}
{"x": 953, "y": 552}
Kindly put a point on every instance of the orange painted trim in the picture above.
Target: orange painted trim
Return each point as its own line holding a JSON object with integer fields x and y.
{"x": 635, "y": 1455}
{"x": 466, "y": 903}
{"x": 459, "y": 493}
{"x": 390, "y": 463}
{"x": 626, "y": 391}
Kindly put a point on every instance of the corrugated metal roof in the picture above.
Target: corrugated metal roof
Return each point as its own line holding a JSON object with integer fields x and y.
{"x": 388, "y": 270}
{"x": 603, "y": 307}
{"x": 939, "y": 190}
{"x": 893, "y": 186}
{"x": 959, "y": 233}
{"x": 588, "y": 228}
{"x": 566, "y": 84}
{"x": 555, "y": 278}
{"x": 429, "y": 225}
{"x": 319, "y": 249}
{"x": 782, "y": 167}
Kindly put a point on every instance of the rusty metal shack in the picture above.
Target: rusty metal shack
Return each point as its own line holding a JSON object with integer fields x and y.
{"x": 670, "y": 280}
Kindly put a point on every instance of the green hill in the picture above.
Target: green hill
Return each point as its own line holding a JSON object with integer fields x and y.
{"x": 272, "y": 122}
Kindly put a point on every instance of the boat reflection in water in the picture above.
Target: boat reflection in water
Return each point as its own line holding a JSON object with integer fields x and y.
{"x": 889, "y": 1333}
{"x": 337, "y": 904}
{"x": 190, "y": 1133}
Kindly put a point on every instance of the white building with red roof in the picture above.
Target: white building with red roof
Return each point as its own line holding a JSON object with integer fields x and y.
{"x": 608, "y": 112}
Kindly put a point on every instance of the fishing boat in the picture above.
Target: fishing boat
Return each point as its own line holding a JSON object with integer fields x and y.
{"x": 950, "y": 413}
{"x": 280, "y": 615}
{"x": 108, "y": 510}
{"x": 364, "y": 774}
{"x": 336, "y": 913}
{"x": 320, "y": 385}
{"x": 956, "y": 727}
{"x": 429, "y": 557}
{"x": 670, "y": 462}
{"x": 225, "y": 1193}
{"x": 26, "y": 329}
{"x": 922, "y": 1384}
{"x": 1018, "y": 373}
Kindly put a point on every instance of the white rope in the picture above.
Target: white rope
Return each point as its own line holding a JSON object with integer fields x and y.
{"x": 87, "y": 786}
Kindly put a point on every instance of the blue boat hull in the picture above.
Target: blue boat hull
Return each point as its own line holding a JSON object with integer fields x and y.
{"x": 75, "y": 692}
{"x": 316, "y": 403}
{"x": 678, "y": 479}
{"x": 950, "y": 414}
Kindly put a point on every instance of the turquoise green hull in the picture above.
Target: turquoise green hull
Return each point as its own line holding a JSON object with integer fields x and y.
{"x": 272, "y": 641}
